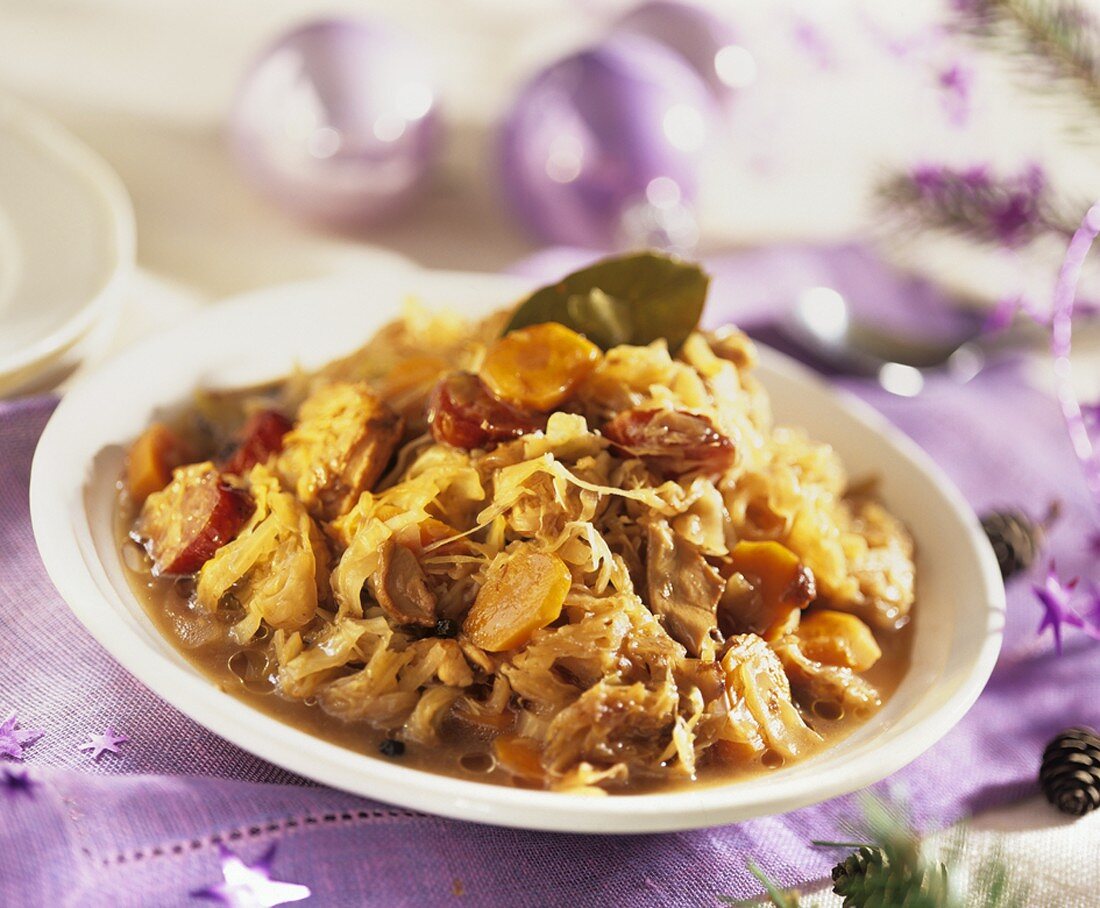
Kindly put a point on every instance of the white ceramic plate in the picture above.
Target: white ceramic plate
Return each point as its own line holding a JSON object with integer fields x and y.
{"x": 260, "y": 336}
{"x": 66, "y": 243}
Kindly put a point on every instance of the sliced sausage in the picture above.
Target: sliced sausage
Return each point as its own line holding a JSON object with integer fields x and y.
{"x": 183, "y": 525}
{"x": 673, "y": 443}
{"x": 261, "y": 437}
{"x": 462, "y": 412}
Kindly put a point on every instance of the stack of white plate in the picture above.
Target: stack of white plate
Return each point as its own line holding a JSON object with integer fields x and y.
{"x": 66, "y": 249}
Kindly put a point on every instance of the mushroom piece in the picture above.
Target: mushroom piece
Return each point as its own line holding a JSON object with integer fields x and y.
{"x": 683, "y": 588}
{"x": 398, "y": 585}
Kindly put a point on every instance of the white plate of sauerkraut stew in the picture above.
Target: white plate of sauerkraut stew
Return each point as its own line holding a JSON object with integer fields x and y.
{"x": 416, "y": 542}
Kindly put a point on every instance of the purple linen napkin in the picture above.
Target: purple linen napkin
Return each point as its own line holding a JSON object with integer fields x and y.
{"x": 142, "y": 827}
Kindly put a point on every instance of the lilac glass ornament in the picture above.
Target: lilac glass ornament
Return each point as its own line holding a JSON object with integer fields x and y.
{"x": 337, "y": 121}
{"x": 603, "y": 148}
{"x": 706, "y": 41}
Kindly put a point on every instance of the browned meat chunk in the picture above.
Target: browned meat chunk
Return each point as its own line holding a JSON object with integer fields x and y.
{"x": 340, "y": 447}
{"x": 611, "y": 723}
{"x": 683, "y": 588}
{"x": 183, "y": 525}
{"x": 462, "y": 412}
{"x": 673, "y": 443}
{"x": 261, "y": 437}
{"x": 399, "y": 586}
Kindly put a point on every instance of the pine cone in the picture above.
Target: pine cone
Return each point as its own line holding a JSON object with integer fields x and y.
{"x": 875, "y": 876}
{"x": 853, "y": 868}
{"x": 1016, "y": 540}
{"x": 1070, "y": 774}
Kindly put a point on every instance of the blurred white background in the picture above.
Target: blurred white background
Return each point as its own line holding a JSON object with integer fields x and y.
{"x": 843, "y": 91}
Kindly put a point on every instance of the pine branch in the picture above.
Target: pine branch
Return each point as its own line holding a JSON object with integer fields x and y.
{"x": 891, "y": 868}
{"x": 1060, "y": 35}
{"x": 976, "y": 204}
{"x": 778, "y": 898}
{"x": 991, "y": 879}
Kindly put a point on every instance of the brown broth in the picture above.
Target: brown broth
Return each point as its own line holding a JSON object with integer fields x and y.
{"x": 463, "y": 754}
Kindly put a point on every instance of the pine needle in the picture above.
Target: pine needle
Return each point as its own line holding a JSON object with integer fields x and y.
{"x": 776, "y": 896}
{"x": 1007, "y": 210}
{"x": 1061, "y": 36}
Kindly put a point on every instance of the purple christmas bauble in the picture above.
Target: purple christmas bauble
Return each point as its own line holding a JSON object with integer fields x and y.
{"x": 707, "y": 42}
{"x": 337, "y": 121}
{"x": 606, "y": 145}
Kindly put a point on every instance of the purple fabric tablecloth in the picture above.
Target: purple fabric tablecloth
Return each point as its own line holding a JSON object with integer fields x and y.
{"x": 143, "y": 827}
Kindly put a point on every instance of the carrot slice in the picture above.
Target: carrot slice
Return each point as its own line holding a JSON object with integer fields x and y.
{"x": 519, "y": 756}
{"x": 837, "y": 638}
{"x": 151, "y": 459}
{"x": 524, "y": 593}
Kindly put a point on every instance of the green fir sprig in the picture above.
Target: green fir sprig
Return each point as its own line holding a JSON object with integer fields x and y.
{"x": 1057, "y": 39}
{"x": 1051, "y": 45}
{"x": 1006, "y": 210}
{"x": 894, "y": 873}
{"x": 778, "y": 897}
{"x": 891, "y": 869}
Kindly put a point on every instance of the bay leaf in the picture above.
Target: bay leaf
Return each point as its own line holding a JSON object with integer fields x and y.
{"x": 630, "y": 299}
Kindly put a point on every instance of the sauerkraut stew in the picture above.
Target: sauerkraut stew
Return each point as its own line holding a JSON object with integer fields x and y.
{"x": 554, "y": 548}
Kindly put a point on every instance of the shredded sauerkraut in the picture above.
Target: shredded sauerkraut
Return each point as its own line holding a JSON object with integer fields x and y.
{"x": 608, "y": 592}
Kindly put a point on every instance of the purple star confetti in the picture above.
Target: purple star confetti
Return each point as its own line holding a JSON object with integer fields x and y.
{"x": 1056, "y": 599}
{"x": 956, "y": 82}
{"x": 1094, "y": 544}
{"x": 17, "y": 782}
{"x": 250, "y": 885}
{"x": 13, "y": 739}
{"x": 107, "y": 742}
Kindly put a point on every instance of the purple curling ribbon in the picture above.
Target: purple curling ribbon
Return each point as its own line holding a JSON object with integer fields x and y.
{"x": 1061, "y": 340}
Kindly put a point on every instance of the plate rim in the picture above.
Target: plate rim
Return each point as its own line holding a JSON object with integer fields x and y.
{"x": 90, "y": 169}
{"x": 268, "y": 738}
